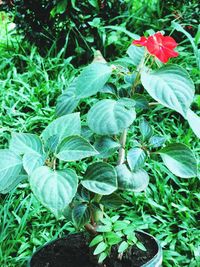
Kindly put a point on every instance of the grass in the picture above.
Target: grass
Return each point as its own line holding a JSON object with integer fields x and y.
{"x": 169, "y": 209}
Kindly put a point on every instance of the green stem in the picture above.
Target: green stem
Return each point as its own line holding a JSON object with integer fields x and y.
{"x": 97, "y": 198}
{"x": 121, "y": 155}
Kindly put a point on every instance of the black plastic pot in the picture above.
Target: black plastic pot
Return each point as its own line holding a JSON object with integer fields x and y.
{"x": 78, "y": 255}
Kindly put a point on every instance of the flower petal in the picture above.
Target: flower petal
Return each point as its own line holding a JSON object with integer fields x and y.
{"x": 141, "y": 42}
{"x": 169, "y": 42}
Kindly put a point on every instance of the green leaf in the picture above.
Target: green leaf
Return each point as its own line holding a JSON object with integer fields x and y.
{"x": 194, "y": 122}
{"x": 52, "y": 143}
{"x": 104, "y": 228}
{"x": 96, "y": 240}
{"x": 86, "y": 132}
{"x": 94, "y": 3}
{"x": 100, "y": 178}
{"x": 120, "y": 225}
{"x": 31, "y": 161}
{"x": 157, "y": 141}
{"x": 67, "y": 101}
{"x": 100, "y": 248}
{"x": 12, "y": 183}
{"x": 180, "y": 160}
{"x": 74, "y": 148}
{"x": 102, "y": 257}
{"x": 10, "y": 169}
{"x": 108, "y": 88}
{"x": 112, "y": 201}
{"x": 106, "y": 146}
{"x": 92, "y": 79}
{"x": 136, "y": 158}
{"x": 64, "y": 126}
{"x": 112, "y": 238}
{"x": 145, "y": 129}
{"x": 136, "y": 53}
{"x": 141, "y": 246}
{"x": 80, "y": 215}
{"x": 60, "y": 8}
{"x": 123, "y": 246}
{"x": 22, "y": 143}
{"x": 127, "y": 102}
{"x": 140, "y": 101}
{"x": 171, "y": 86}
{"x": 109, "y": 117}
{"x": 132, "y": 181}
{"x": 123, "y": 29}
{"x": 54, "y": 189}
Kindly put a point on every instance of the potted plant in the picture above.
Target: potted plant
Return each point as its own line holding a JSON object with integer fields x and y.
{"x": 112, "y": 163}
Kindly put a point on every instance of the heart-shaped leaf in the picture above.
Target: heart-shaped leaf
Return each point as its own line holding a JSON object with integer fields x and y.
{"x": 171, "y": 86}
{"x": 22, "y": 143}
{"x": 100, "y": 178}
{"x": 106, "y": 146}
{"x": 109, "y": 117}
{"x": 180, "y": 160}
{"x": 31, "y": 161}
{"x": 74, "y": 148}
{"x": 10, "y": 169}
{"x": 80, "y": 215}
{"x": 92, "y": 79}
{"x": 136, "y": 53}
{"x": 132, "y": 181}
{"x": 67, "y": 101}
{"x": 62, "y": 127}
{"x": 54, "y": 189}
{"x": 194, "y": 122}
{"x": 136, "y": 158}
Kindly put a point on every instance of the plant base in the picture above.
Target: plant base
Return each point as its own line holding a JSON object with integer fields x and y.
{"x": 72, "y": 251}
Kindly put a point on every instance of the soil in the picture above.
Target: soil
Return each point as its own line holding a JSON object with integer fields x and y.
{"x": 73, "y": 251}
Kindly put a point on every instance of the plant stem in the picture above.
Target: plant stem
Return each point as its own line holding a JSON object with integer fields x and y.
{"x": 121, "y": 155}
{"x": 91, "y": 229}
{"x": 153, "y": 103}
{"x": 97, "y": 198}
{"x": 54, "y": 164}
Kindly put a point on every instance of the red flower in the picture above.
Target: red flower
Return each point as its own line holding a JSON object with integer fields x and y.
{"x": 141, "y": 42}
{"x": 159, "y": 46}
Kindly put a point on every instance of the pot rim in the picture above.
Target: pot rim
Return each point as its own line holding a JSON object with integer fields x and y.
{"x": 157, "y": 256}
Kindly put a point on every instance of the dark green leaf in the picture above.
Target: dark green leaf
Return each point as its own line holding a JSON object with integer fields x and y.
{"x": 22, "y": 143}
{"x": 62, "y": 127}
{"x": 136, "y": 158}
{"x": 171, "y": 86}
{"x": 136, "y": 53}
{"x": 54, "y": 189}
{"x": 92, "y": 79}
{"x": 80, "y": 215}
{"x": 31, "y": 161}
{"x": 140, "y": 101}
{"x": 180, "y": 160}
{"x": 157, "y": 141}
{"x": 100, "y": 178}
{"x": 145, "y": 129}
{"x": 68, "y": 101}
{"x": 74, "y": 148}
{"x": 108, "y": 117}
{"x": 194, "y": 122}
{"x": 112, "y": 201}
{"x": 10, "y": 169}
{"x": 106, "y": 146}
{"x": 131, "y": 181}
